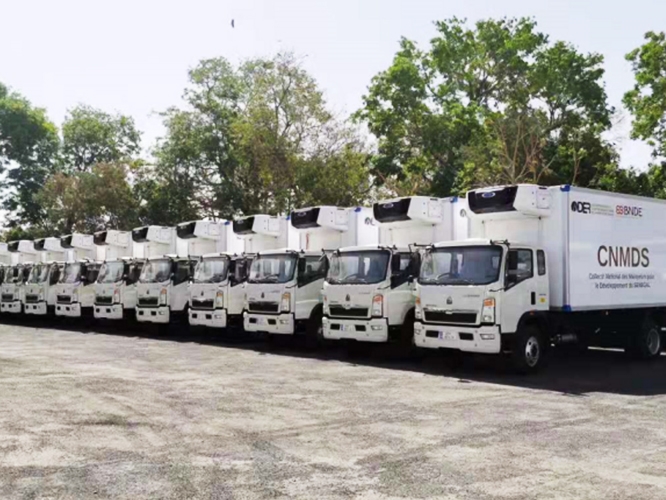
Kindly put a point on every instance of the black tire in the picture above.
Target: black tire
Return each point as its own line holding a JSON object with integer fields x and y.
{"x": 647, "y": 344}
{"x": 314, "y": 330}
{"x": 529, "y": 350}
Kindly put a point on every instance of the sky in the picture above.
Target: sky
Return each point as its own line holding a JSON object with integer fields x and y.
{"x": 132, "y": 57}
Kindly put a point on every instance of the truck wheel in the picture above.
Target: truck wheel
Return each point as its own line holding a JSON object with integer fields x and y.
{"x": 314, "y": 330}
{"x": 647, "y": 344}
{"x": 528, "y": 350}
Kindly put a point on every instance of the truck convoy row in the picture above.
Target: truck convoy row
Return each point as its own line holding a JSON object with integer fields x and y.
{"x": 508, "y": 269}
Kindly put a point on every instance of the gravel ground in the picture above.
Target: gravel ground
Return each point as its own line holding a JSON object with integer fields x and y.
{"x": 88, "y": 414}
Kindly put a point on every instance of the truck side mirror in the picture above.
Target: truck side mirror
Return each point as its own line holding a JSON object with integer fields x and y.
{"x": 301, "y": 266}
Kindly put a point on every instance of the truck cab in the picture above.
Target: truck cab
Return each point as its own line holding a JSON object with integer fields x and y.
{"x": 469, "y": 292}
{"x": 283, "y": 292}
{"x": 216, "y": 292}
{"x": 23, "y": 257}
{"x": 368, "y": 293}
{"x": 40, "y": 288}
{"x": 116, "y": 284}
{"x": 75, "y": 291}
{"x": 158, "y": 279}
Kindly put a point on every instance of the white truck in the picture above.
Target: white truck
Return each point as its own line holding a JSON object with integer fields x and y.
{"x": 162, "y": 292}
{"x": 547, "y": 265}
{"x": 75, "y": 291}
{"x": 23, "y": 257}
{"x": 368, "y": 294}
{"x": 40, "y": 288}
{"x": 5, "y": 262}
{"x": 283, "y": 291}
{"x": 116, "y": 285}
{"x": 216, "y": 292}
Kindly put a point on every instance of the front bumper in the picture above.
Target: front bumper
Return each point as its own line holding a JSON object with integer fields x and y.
{"x": 11, "y": 307}
{"x": 108, "y": 311}
{"x": 70, "y": 310}
{"x": 282, "y": 324}
{"x": 214, "y": 318}
{"x": 365, "y": 330}
{"x": 153, "y": 314}
{"x": 38, "y": 308}
{"x": 463, "y": 338}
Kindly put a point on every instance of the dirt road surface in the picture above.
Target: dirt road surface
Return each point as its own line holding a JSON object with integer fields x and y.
{"x": 87, "y": 414}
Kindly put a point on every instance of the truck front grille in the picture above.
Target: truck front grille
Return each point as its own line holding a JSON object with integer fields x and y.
{"x": 103, "y": 300}
{"x": 148, "y": 301}
{"x": 8, "y": 297}
{"x": 265, "y": 307}
{"x": 32, "y": 299}
{"x": 202, "y": 304}
{"x": 352, "y": 312}
{"x": 64, "y": 299}
{"x": 458, "y": 318}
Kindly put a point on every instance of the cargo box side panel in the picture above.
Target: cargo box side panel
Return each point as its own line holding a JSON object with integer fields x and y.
{"x": 617, "y": 251}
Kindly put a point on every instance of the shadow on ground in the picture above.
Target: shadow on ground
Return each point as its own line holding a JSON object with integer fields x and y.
{"x": 570, "y": 373}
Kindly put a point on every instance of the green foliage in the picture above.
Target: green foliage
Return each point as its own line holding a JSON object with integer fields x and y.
{"x": 91, "y": 136}
{"x": 647, "y": 100}
{"x": 28, "y": 147}
{"x": 91, "y": 200}
{"x": 257, "y": 138}
{"x": 490, "y": 104}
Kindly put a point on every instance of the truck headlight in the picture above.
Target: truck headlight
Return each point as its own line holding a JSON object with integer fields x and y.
{"x": 488, "y": 313}
{"x": 40, "y": 297}
{"x": 378, "y": 305}
{"x": 325, "y": 303}
{"x": 75, "y": 296}
{"x": 163, "y": 297}
{"x": 219, "y": 300}
{"x": 116, "y": 296}
{"x": 418, "y": 312}
{"x": 285, "y": 304}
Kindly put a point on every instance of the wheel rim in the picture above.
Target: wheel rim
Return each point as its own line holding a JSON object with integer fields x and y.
{"x": 532, "y": 352}
{"x": 653, "y": 342}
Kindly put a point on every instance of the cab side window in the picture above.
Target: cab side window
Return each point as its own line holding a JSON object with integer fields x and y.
{"x": 409, "y": 264}
{"x": 316, "y": 268}
{"x": 541, "y": 262}
{"x": 182, "y": 272}
{"x": 134, "y": 273}
{"x": 519, "y": 266}
{"x": 54, "y": 274}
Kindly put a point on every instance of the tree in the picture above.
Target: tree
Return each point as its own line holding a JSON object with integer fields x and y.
{"x": 491, "y": 103}
{"x": 91, "y": 136}
{"x": 28, "y": 148}
{"x": 90, "y": 201}
{"x": 252, "y": 137}
{"x": 647, "y": 100}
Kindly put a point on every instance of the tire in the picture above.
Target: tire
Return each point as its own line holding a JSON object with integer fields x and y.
{"x": 529, "y": 350}
{"x": 314, "y": 331}
{"x": 648, "y": 343}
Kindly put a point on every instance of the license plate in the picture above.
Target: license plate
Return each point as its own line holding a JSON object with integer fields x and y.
{"x": 262, "y": 321}
{"x": 346, "y": 328}
{"x": 446, "y": 336}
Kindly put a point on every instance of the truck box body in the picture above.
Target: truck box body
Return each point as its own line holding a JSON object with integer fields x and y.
{"x": 604, "y": 250}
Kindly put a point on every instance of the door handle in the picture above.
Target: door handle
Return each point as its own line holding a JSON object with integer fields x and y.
{"x": 533, "y": 298}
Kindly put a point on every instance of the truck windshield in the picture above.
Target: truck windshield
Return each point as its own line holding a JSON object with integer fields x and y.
{"x": 213, "y": 270}
{"x": 71, "y": 273}
{"x": 39, "y": 274}
{"x": 273, "y": 268}
{"x": 468, "y": 265}
{"x": 364, "y": 267}
{"x": 111, "y": 272}
{"x": 156, "y": 271}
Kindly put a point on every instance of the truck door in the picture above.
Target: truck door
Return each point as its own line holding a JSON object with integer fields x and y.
{"x": 520, "y": 295}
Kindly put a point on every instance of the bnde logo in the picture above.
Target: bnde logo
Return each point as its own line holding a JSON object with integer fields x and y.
{"x": 629, "y": 211}
{"x": 581, "y": 207}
